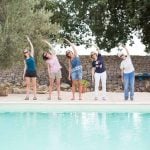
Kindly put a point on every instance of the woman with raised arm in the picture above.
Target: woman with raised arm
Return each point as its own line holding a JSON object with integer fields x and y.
{"x": 127, "y": 74}
{"x": 75, "y": 69}
{"x": 98, "y": 73}
{"x": 30, "y": 70}
{"x": 54, "y": 70}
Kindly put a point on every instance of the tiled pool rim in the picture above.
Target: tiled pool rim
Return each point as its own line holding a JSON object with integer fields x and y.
{"x": 72, "y": 107}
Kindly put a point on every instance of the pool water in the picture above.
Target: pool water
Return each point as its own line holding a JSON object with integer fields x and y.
{"x": 74, "y": 131}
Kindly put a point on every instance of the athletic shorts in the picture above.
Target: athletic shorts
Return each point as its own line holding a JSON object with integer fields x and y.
{"x": 31, "y": 74}
{"x": 56, "y": 75}
{"x": 76, "y": 75}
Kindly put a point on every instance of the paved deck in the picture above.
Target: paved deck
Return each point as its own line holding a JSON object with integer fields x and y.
{"x": 88, "y": 98}
{"x": 114, "y": 102}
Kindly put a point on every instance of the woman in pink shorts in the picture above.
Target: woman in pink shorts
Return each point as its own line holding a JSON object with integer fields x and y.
{"x": 54, "y": 70}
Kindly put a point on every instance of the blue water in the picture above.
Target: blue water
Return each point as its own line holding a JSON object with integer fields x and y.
{"x": 74, "y": 131}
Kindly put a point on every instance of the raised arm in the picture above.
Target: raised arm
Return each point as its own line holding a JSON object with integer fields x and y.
{"x": 50, "y": 46}
{"x": 31, "y": 45}
{"x": 127, "y": 51}
{"x": 97, "y": 49}
{"x": 73, "y": 46}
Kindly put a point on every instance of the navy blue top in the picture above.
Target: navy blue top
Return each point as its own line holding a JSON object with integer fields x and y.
{"x": 75, "y": 62}
{"x": 99, "y": 64}
{"x": 31, "y": 66}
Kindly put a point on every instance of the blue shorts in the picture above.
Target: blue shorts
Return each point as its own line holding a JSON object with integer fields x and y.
{"x": 76, "y": 75}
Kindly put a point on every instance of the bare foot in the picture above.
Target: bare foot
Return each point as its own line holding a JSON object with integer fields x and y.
{"x": 73, "y": 98}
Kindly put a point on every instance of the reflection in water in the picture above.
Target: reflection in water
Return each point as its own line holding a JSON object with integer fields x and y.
{"x": 136, "y": 120}
{"x": 74, "y": 131}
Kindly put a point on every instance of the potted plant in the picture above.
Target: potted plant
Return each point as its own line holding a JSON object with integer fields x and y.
{"x": 85, "y": 84}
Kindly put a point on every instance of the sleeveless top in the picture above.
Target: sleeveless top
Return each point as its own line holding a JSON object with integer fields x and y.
{"x": 31, "y": 66}
{"x": 76, "y": 64}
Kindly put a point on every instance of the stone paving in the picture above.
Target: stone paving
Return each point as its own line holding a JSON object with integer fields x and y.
{"x": 88, "y": 98}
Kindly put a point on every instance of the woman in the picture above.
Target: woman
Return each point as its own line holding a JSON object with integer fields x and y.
{"x": 30, "y": 71}
{"x": 98, "y": 73}
{"x": 127, "y": 74}
{"x": 54, "y": 70}
{"x": 75, "y": 70}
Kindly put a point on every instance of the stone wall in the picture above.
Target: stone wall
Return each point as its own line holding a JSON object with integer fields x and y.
{"x": 141, "y": 63}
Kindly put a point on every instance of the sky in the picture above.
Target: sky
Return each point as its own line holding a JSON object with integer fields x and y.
{"x": 135, "y": 49}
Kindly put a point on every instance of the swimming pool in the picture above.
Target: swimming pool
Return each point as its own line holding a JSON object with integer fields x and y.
{"x": 35, "y": 130}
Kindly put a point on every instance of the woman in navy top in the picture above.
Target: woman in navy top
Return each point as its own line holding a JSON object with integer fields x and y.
{"x": 29, "y": 70}
{"x": 75, "y": 69}
{"x": 98, "y": 73}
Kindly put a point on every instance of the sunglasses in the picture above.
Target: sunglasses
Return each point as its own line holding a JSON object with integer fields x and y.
{"x": 25, "y": 52}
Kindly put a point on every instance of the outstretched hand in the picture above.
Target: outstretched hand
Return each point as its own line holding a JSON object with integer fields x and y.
{"x": 97, "y": 49}
{"x": 123, "y": 45}
{"x": 95, "y": 46}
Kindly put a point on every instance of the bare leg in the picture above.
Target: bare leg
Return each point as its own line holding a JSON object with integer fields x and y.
{"x": 27, "y": 80}
{"x": 51, "y": 87}
{"x": 80, "y": 89}
{"x": 34, "y": 87}
{"x": 73, "y": 89}
{"x": 58, "y": 88}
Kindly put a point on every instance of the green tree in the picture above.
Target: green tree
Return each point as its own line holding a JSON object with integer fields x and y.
{"x": 110, "y": 21}
{"x": 17, "y": 19}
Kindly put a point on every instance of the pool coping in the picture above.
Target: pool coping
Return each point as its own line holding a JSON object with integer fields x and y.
{"x": 73, "y": 107}
{"x": 75, "y": 102}
{"x": 115, "y": 102}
